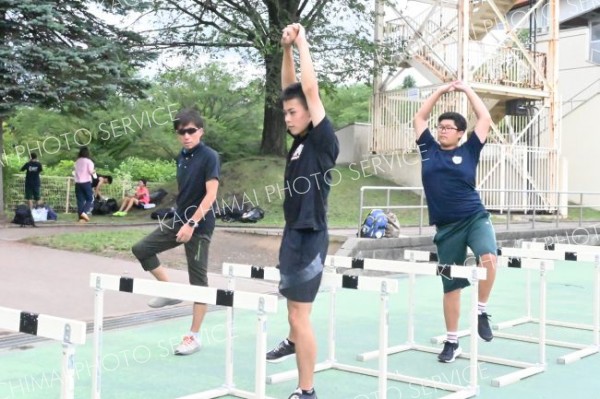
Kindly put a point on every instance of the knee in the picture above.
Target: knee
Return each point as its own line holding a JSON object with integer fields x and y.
{"x": 488, "y": 260}
{"x": 137, "y": 250}
{"x": 298, "y": 317}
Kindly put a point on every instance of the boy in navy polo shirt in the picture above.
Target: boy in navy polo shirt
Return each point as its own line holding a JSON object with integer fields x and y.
{"x": 194, "y": 221}
{"x": 455, "y": 208}
{"x": 305, "y": 239}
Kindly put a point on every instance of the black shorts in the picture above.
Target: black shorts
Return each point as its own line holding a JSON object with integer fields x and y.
{"x": 301, "y": 257}
{"x": 32, "y": 193}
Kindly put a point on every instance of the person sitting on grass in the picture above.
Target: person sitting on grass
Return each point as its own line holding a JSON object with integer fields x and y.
{"x": 141, "y": 197}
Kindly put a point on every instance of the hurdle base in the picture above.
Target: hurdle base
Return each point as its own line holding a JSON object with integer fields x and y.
{"x": 532, "y": 339}
{"x": 517, "y": 376}
{"x": 224, "y": 391}
{"x": 513, "y": 323}
{"x": 578, "y": 355}
{"x": 456, "y": 391}
{"x": 363, "y": 357}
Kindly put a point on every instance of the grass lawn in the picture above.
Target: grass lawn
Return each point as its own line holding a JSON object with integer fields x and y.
{"x": 98, "y": 242}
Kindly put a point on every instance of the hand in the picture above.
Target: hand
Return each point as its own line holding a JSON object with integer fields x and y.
{"x": 460, "y": 86}
{"x": 301, "y": 33}
{"x": 184, "y": 234}
{"x": 289, "y": 35}
{"x": 447, "y": 88}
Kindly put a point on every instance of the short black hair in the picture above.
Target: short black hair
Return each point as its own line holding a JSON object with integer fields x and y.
{"x": 33, "y": 155}
{"x": 458, "y": 119}
{"x": 144, "y": 181}
{"x": 84, "y": 152}
{"x": 186, "y": 116}
{"x": 107, "y": 177}
{"x": 294, "y": 91}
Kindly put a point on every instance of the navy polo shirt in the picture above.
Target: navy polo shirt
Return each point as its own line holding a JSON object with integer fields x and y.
{"x": 194, "y": 168}
{"x": 32, "y": 171}
{"x": 449, "y": 179}
{"x": 307, "y": 180}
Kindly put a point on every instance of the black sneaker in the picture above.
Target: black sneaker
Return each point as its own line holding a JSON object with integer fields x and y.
{"x": 299, "y": 395}
{"x": 281, "y": 352}
{"x": 450, "y": 352}
{"x": 483, "y": 327}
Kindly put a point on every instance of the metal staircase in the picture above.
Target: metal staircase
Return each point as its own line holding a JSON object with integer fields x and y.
{"x": 500, "y": 71}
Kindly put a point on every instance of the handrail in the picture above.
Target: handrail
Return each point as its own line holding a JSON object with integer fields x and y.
{"x": 572, "y": 100}
{"x": 534, "y": 207}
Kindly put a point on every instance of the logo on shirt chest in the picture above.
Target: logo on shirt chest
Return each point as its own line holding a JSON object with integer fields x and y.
{"x": 297, "y": 153}
{"x": 457, "y": 160}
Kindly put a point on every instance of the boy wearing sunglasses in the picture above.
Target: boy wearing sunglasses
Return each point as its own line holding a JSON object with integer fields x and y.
{"x": 448, "y": 172}
{"x": 198, "y": 181}
{"x": 305, "y": 240}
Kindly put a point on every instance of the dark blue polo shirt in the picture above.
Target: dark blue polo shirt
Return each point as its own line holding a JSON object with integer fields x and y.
{"x": 307, "y": 181}
{"x": 32, "y": 171}
{"x": 194, "y": 168}
{"x": 449, "y": 179}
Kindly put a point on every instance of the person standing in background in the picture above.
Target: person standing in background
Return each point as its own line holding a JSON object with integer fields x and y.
{"x": 84, "y": 170}
{"x": 32, "y": 170}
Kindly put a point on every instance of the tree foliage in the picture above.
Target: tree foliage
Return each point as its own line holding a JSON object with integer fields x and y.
{"x": 340, "y": 33}
{"x": 58, "y": 55}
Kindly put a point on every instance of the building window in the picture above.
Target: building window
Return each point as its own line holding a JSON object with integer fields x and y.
{"x": 595, "y": 42}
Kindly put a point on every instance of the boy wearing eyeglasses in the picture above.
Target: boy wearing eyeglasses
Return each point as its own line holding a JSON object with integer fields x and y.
{"x": 305, "y": 240}
{"x": 448, "y": 173}
{"x": 198, "y": 181}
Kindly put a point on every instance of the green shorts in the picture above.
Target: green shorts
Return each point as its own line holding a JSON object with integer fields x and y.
{"x": 452, "y": 240}
{"x": 32, "y": 193}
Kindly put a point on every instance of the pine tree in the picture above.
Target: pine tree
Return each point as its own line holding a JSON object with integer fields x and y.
{"x": 58, "y": 54}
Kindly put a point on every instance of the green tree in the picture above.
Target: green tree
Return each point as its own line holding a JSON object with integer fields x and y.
{"x": 144, "y": 128}
{"x": 340, "y": 36}
{"x": 348, "y": 104}
{"x": 57, "y": 54}
{"x": 409, "y": 82}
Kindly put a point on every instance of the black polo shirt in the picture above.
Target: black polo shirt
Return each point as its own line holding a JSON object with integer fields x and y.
{"x": 307, "y": 177}
{"x": 194, "y": 168}
{"x": 32, "y": 171}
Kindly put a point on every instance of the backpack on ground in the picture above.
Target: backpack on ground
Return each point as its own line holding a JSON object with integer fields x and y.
{"x": 253, "y": 215}
{"x": 105, "y": 206}
{"x": 392, "y": 228}
{"x": 157, "y": 196}
{"x": 374, "y": 224}
{"x": 23, "y": 216}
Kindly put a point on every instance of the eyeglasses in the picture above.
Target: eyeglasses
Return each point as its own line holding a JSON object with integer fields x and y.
{"x": 443, "y": 128}
{"x": 189, "y": 130}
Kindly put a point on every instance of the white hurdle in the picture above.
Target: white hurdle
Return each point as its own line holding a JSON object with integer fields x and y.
{"x": 69, "y": 332}
{"x": 413, "y": 269}
{"x": 261, "y": 303}
{"x": 528, "y": 369}
{"x": 570, "y": 253}
{"x": 333, "y": 282}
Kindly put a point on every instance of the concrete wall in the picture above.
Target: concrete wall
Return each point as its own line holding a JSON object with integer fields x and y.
{"x": 402, "y": 169}
{"x": 354, "y": 142}
{"x": 580, "y": 143}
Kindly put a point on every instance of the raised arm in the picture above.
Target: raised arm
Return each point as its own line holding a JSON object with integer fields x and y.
{"x": 308, "y": 78}
{"x": 422, "y": 115}
{"x": 288, "y": 73}
{"x": 484, "y": 119}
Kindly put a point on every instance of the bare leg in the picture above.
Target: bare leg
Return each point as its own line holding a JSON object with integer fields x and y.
{"x": 302, "y": 335}
{"x": 452, "y": 309}
{"x": 485, "y": 286}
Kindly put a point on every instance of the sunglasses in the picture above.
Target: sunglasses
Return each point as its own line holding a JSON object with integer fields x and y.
{"x": 189, "y": 130}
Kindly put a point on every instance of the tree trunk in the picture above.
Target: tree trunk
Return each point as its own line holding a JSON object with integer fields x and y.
{"x": 273, "y": 134}
{"x": 2, "y": 161}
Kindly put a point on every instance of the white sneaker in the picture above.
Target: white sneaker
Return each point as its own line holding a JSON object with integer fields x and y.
{"x": 188, "y": 346}
{"x": 161, "y": 302}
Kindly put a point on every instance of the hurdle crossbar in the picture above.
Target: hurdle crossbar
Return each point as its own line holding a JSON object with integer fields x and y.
{"x": 413, "y": 269}
{"x": 333, "y": 282}
{"x": 261, "y": 303}
{"x": 69, "y": 332}
{"x": 570, "y": 253}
